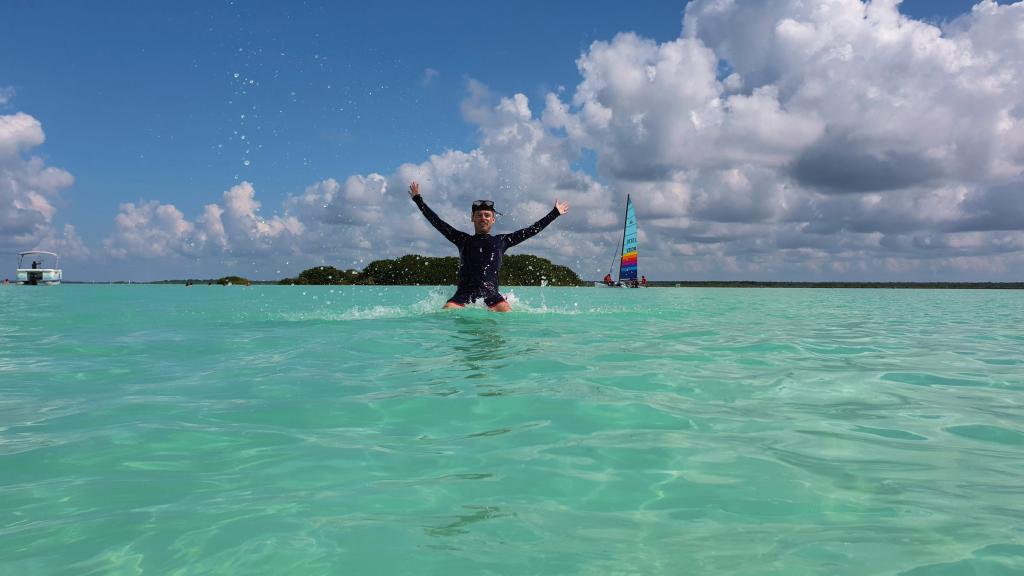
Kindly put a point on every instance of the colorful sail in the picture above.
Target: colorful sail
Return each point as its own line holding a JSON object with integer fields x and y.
{"x": 627, "y": 266}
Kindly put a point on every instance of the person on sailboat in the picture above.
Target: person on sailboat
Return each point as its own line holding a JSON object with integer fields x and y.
{"x": 608, "y": 279}
{"x": 480, "y": 254}
{"x": 643, "y": 281}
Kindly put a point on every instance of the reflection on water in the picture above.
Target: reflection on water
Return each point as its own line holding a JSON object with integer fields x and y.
{"x": 457, "y": 527}
{"x": 479, "y": 346}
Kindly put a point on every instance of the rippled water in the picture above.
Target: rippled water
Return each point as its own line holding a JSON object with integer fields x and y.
{"x": 360, "y": 430}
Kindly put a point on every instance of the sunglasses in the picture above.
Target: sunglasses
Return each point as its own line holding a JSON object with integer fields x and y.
{"x": 484, "y": 205}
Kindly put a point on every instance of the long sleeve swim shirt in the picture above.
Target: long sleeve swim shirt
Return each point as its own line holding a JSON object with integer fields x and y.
{"x": 480, "y": 254}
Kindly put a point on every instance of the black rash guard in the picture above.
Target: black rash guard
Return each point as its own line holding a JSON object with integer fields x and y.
{"x": 480, "y": 255}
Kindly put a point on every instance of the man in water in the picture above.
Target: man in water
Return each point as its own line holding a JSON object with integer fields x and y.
{"x": 480, "y": 254}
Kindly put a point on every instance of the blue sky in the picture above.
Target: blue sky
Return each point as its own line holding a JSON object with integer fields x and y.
{"x": 168, "y": 106}
{"x": 142, "y": 99}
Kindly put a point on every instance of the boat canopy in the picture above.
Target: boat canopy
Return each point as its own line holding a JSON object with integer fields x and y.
{"x": 33, "y": 253}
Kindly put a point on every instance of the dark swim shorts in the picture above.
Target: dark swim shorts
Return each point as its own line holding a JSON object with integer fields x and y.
{"x": 465, "y": 296}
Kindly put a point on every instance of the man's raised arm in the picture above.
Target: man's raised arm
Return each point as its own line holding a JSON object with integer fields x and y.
{"x": 530, "y": 231}
{"x": 454, "y": 236}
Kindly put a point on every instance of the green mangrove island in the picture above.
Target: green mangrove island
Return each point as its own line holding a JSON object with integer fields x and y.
{"x": 530, "y": 270}
{"x": 415, "y": 270}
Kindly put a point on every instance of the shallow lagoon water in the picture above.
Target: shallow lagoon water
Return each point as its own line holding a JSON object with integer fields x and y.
{"x": 361, "y": 430}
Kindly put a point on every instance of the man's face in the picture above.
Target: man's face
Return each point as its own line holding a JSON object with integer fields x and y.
{"x": 482, "y": 221}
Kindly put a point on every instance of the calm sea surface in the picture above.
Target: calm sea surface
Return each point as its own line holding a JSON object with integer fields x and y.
{"x": 361, "y": 430}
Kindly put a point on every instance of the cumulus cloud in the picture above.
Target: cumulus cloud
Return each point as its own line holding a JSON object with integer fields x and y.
{"x": 19, "y": 132}
{"x": 817, "y": 131}
{"x": 903, "y": 102}
{"x": 67, "y": 243}
{"x": 233, "y": 229}
{"x": 29, "y": 189}
{"x": 149, "y": 230}
{"x": 430, "y": 75}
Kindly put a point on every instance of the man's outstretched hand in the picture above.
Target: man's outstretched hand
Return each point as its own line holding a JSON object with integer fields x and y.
{"x": 562, "y": 206}
{"x": 414, "y": 189}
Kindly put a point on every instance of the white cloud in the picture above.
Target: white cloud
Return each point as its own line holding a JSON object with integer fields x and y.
{"x": 430, "y": 76}
{"x": 67, "y": 243}
{"x": 149, "y": 230}
{"x": 233, "y": 229}
{"x": 248, "y": 231}
{"x": 29, "y": 189}
{"x": 835, "y": 120}
{"x": 19, "y": 132}
{"x": 6, "y": 94}
{"x": 903, "y": 104}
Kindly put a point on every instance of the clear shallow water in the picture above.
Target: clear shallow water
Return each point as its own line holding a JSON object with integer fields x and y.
{"x": 359, "y": 430}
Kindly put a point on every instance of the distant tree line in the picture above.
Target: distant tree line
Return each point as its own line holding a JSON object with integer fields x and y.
{"x": 225, "y": 281}
{"x": 234, "y": 281}
{"x": 894, "y": 285}
{"x": 412, "y": 269}
{"x": 529, "y": 270}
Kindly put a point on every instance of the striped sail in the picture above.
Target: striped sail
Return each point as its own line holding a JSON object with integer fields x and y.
{"x": 627, "y": 266}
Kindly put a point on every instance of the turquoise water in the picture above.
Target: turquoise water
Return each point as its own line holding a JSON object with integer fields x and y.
{"x": 360, "y": 430}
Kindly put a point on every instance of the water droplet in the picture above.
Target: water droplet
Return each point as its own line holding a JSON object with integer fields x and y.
{"x": 245, "y": 162}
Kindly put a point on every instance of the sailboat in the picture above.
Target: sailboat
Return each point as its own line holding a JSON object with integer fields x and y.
{"x": 626, "y": 253}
